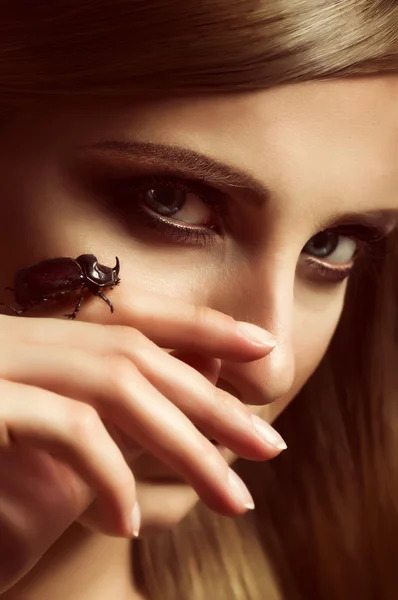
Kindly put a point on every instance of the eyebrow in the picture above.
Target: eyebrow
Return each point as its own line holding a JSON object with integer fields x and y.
{"x": 187, "y": 160}
{"x": 204, "y": 167}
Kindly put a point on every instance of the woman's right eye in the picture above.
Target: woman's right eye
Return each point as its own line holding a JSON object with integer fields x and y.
{"x": 164, "y": 200}
{"x": 182, "y": 210}
{"x": 176, "y": 204}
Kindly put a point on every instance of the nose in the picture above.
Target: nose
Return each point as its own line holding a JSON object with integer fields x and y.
{"x": 264, "y": 295}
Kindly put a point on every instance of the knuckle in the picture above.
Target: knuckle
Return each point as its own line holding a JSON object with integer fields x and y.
{"x": 120, "y": 372}
{"x": 203, "y": 316}
{"x": 83, "y": 421}
{"x": 129, "y": 338}
{"x": 222, "y": 403}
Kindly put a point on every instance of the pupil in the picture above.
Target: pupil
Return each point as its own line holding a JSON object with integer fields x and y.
{"x": 322, "y": 244}
{"x": 165, "y": 200}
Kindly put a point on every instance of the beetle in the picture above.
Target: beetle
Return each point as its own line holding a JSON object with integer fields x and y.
{"x": 55, "y": 278}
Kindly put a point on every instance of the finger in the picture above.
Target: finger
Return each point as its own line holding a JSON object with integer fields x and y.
{"x": 215, "y": 411}
{"x": 83, "y": 376}
{"x": 174, "y": 323}
{"x": 72, "y": 431}
{"x": 39, "y": 499}
{"x": 169, "y": 322}
{"x": 160, "y": 427}
{"x": 207, "y": 366}
{"x": 121, "y": 394}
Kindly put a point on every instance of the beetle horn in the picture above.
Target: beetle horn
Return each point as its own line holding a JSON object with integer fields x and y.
{"x": 116, "y": 268}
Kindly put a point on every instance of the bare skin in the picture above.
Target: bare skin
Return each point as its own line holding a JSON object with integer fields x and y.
{"x": 311, "y": 158}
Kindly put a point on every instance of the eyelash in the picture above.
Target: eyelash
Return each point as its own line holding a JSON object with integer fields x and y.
{"x": 367, "y": 237}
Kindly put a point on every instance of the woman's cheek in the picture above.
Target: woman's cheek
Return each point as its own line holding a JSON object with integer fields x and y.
{"x": 177, "y": 273}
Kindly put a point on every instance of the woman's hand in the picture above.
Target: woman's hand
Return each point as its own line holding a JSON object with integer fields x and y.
{"x": 64, "y": 386}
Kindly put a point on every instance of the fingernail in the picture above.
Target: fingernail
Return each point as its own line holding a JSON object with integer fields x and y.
{"x": 239, "y": 491}
{"x": 136, "y": 520}
{"x": 268, "y": 433}
{"x": 255, "y": 334}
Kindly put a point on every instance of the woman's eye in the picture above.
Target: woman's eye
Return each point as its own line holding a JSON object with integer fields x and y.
{"x": 331, "y": 247}
{"x": 179, "y": 210}
{"x": 177, "y": 204}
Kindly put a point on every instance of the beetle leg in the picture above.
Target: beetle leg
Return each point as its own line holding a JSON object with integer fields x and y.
{"x": 117, "y": 282}
{"x": 77, "y": 308}
{"x": 105, "y": 299}
{"x": 18, "y": 311}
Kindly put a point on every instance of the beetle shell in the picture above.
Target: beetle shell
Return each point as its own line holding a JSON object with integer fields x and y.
{"x": 53, "y": 277}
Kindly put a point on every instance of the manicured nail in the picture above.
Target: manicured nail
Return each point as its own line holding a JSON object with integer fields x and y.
{"x": 255, "y": 334}
{"x": 239, "y": 491}
{"x": 136, "y": 520}
{"x": 268, "y": 434}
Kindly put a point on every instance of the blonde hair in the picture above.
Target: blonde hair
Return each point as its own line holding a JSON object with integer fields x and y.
{"x": 326, "y": 524}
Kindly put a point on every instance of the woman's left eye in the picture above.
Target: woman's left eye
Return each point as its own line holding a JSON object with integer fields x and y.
{"x": 331, "y": 255}
{"x": 332, "y": 247}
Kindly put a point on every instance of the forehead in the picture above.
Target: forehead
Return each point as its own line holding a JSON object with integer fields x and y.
{"x": 363, "y": 106}
{"x": 333, "y": 141}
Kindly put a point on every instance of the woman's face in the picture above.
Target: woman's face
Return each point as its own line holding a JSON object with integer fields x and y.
{"x": 253, "y": 204}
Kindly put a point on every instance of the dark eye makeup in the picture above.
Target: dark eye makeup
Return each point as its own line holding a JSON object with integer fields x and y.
{"x": 156, "y": 199}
